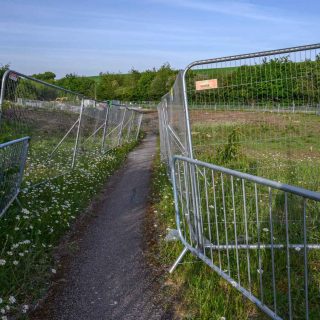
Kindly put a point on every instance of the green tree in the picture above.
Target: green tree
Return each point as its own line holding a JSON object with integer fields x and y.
{"x": 162, "y": 82}
{"x": 144, "y": 85}
{"x": 47, "y": 76}
{"x": 83, "y": 85}
{"x": 108, "y": 85}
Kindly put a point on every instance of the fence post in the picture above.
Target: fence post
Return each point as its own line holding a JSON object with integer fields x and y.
{"x": 105, "y": 128}
{"x": 24, "y": 159}
{"x": 75, "y": 150}
{"x": 130, "y": 125}
{"x": 139, "y": 125}
{"x": 167, "y": 139}
{"x": 97, "y": 121}
{"x": 2, "y": 93}
{"x": 121, "y": 126}
{"x": 194, "y": 188}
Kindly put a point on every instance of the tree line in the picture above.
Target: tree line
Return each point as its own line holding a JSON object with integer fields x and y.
{"x": 149, "y": 85}
{"x": 274, "y": 82}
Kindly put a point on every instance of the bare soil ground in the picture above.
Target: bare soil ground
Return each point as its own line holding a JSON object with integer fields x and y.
{"x": 239, "y": 117}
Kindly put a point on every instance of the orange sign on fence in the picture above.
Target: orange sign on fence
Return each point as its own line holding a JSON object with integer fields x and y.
{"x": 206, "y": 84}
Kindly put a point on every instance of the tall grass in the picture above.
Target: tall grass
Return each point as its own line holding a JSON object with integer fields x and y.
{"x": 28, "y": 235}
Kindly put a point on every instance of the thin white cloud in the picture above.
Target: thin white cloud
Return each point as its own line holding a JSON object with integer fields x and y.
{"x": 91, "y": 37}
{"x": 156, "y": 34}
{"x": 234, "y": 8}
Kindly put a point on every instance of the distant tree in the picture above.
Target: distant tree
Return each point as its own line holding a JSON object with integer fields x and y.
{"x": 83, "y": 85}
{"x": 144, "y": 84}
{"x": 135, "y": 85}
{"x": 162, "y": 82}
{"x": 47, "y": 76}
{"x": 108, "y": 85}
{"x": 130, "y": 84}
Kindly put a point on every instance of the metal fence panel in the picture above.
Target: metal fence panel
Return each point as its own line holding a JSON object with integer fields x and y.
{"x": 50, "y": 115}
{"x": 64, "y": 125}
{"x": 259, "y": 113}
{"x": 259, "y": 235}
{"x": 173, "y": 122}
{"x": 114, "y": 126}
{"x": 13, "y": 156}
{"x": 137, "y": 120}
{"x": 93, "y": 122}
{"x": 256, "y": 117}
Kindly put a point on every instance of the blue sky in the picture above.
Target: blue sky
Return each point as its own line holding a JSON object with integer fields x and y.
{"x": 87, "y": 37}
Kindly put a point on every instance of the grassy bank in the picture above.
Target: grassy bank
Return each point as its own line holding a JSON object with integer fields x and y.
{"x": 279, "y": 146}
{"x": 28, "y": 235}
{"x": 282, "y": 147}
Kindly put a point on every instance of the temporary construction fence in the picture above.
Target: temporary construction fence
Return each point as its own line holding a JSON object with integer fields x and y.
{"x": 140, "y": 104}
{"x": 173, "y": 123}
{"x": 64, "y": 126}
{"x": 250, "y": 208}
{"x": 13, "y": 157}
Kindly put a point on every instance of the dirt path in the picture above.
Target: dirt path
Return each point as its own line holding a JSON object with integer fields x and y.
{"x": 108, "y": 278}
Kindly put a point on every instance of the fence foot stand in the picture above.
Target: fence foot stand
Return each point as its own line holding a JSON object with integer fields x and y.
{"x": 182, "y": 254}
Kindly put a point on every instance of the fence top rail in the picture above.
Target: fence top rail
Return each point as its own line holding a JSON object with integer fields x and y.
{"x": 40, "y": 81}
{"x": 259, "y": 180}
{"x": 253, "y": 55}
{"x": 135, "y": 110}
{"x": 122, "y": 107}
{"x": 6, "y": 144}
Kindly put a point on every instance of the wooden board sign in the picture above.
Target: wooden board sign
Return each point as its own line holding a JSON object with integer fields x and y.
{"x": 206, "y": 84}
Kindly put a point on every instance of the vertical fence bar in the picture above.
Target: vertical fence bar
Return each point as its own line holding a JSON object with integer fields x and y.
{"x": 246, "y": 232}
{"x": 196, "y": 208}
{"x": 180, "y": 193}
{"x": 24, "y": 156}
{"x": 130, "y": 125}
{"x": 187, "y": 213}
{"x": 76, "y": 146}
{"x": 216, "y": 217}
{"x": 288, "y": 254}
{"x": 2, "y": 92}
{"x": 208, "y": 212}
{"x": 235, "y": 228}
{"x": 259, "y": 242}
{"x": 272, "y": 252}
{"x": 305, "y": 256}
{"x": 121, "y": 126}
{"x": 139, "y": 125}
{"x": 189, "y": 144}
{"x": 199, "y": 206}
{"x": 105, "y": 129}
{"x": 167, "y": 136}
{"x": 225, "y": 220}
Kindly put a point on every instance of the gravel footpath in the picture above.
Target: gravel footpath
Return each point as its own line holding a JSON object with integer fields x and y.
{"x": 108, "y": 278}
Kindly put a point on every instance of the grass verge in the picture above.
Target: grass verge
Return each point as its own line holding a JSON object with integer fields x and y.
{"x": 28, "y": 235}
